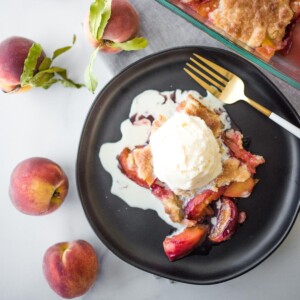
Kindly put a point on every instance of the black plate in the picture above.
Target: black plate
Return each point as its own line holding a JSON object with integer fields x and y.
{"x": 136, "y": 235}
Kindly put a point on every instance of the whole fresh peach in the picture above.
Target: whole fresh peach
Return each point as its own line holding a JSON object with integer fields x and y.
{"x": 123, "y": 25}
{"x": 13, "y": 52}
{"x": 70, "y": 268}
{"x": 38, "y": 186}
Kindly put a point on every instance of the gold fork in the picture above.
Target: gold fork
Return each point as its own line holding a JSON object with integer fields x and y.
{"x": 229, "y": 88}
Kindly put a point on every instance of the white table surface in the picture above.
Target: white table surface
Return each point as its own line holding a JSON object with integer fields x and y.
{"x": 48, "y": 123}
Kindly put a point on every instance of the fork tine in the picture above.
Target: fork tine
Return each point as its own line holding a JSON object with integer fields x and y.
{"x": 213, "y": 74}
{"x": 205, "y": 85}
{"x": 209, "y": 79}
{"x": 225, "y": 73}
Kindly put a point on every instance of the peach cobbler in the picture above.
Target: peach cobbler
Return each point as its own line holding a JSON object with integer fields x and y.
{"x": 196, "y": 167}
{"x": 264, "y": 25}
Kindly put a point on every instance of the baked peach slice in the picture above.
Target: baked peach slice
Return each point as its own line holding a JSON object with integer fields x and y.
{"x": 227, "y": 220}
{"x": 240, "y": 189}
{"x": 197, "y": 207}
{"x": 128, "y": 166}
{"x": 234, "y": 141}
{"x": 179, "y": 245}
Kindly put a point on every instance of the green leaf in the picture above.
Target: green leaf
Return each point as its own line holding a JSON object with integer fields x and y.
{"x": 63, "y": 74}
{"x": 53, "y": 70}
{"x": 138, "y": 43}
{"x": 46, "y": 75}
{"x": 49, "y": 83}
{"x": 42, "y": 79}
{"x": 30, "y": 63}
{"x": 89, "y": 78}
{"x": 106, "y": 13}
{"x": 46, "y": 78}
{"x": 46, "y": 63}
{"x": 62, "y": 50}
{"x": 100, "y": 12}
{"x": 67, "y": 82}
{"x": 70, "y": 83}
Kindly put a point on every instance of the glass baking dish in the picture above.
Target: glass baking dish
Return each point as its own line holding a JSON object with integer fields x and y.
{"x": 286, "y": 67}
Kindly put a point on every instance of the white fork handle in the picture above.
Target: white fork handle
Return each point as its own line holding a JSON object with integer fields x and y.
{"x": 274, "y": 117}
{"x": 285, "y": 124}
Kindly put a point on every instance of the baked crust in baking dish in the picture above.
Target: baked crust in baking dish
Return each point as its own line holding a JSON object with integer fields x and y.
{"x": 253, "y": 22}
{"x": 261, "y": 24}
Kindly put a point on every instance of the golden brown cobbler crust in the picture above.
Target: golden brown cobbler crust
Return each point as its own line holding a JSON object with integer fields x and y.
{"x": 253, "y": 21}
{"x": 233, "y": 171}
{"x": 158, "y": 122}
{"x": 142, "y": 158}
{"x": 193, "y": 107}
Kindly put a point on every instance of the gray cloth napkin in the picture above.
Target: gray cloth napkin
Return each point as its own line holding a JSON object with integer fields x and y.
{"x": 164, "y": 29}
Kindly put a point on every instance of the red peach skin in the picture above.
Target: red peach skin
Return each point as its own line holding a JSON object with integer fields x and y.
{"x": 124, "y": 22}
{"x": 123, "y": 25}
{"x": 13, "y": 52}
{"x": 70, "y": 268}
{"x": 38, "y": 186}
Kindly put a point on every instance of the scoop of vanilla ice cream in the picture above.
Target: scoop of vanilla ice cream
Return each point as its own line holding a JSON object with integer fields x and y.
{"x": 185, "y": 153}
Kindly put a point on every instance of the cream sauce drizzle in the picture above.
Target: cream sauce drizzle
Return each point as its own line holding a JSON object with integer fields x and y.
{"x": 150, "y": 103}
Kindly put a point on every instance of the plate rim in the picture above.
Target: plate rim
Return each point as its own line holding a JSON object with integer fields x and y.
{"x": 85, "y": 206}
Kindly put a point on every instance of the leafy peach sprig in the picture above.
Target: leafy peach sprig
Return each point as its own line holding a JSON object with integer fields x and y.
{"x": 99, "y": 16}
{"x": 45, "y": 75}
